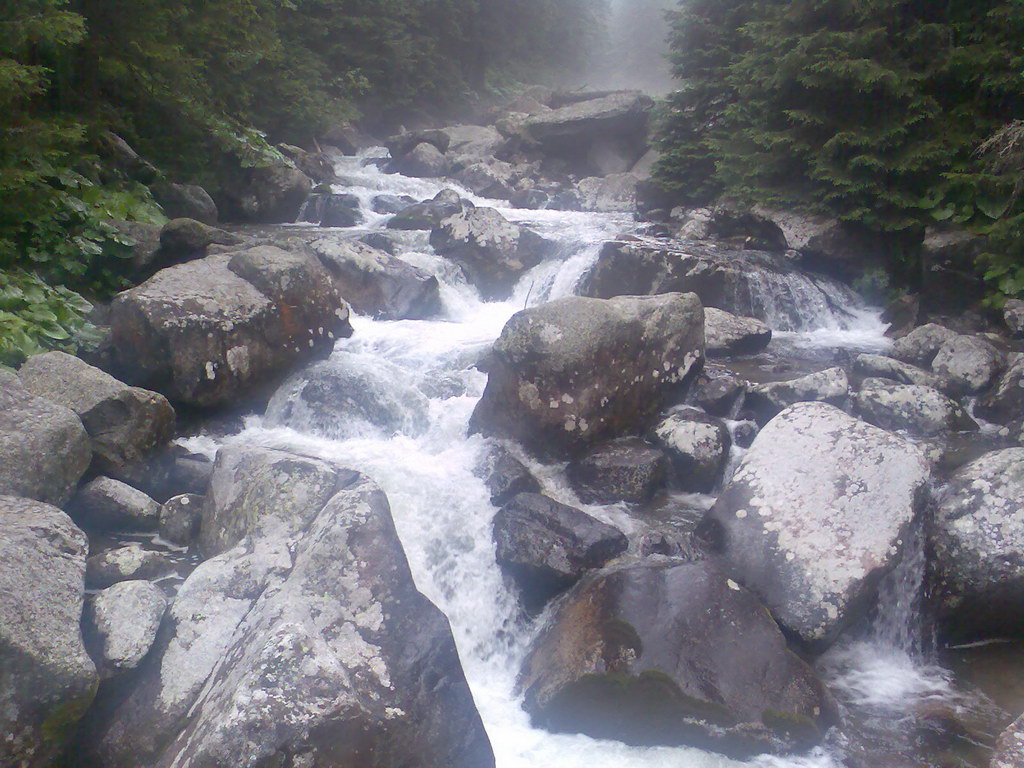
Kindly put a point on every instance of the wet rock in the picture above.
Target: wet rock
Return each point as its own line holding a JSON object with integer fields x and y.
{"x": 968, "y": 363}
{"x": 48, "y": 680}
{"x": 333, "y": 210}
{"x": 185, "y": 201}
{"x": 120, "y": 625}
{"x": 1009, "y": 751}
{"x": 615, "y": 193}
{"x": 627, "y": 469}
{"x": 124, "y": 423}
{"x": 921, "y": 411}
{"x": 106, "y": 504}
{"x": 44, "y": 449}
{"x": 207, "y": 331}
{"x": 949, "y": 265}
{"x": 184, "y": 239}
{"x": 901, "y": 315}
{"x": 428, "y": 214}
{"x": 318, "y": 166}
{"x": 824, "y": 243}
{"x": 378, "y": 284}
{"x": 467, "y": 143}
{"x": 752, "y": 229}
{"x": 180, "y": 518}
{"x": 308, "y": 635}
{"x": 492, "y": 179}
{"x": 717, "y": 391}
{"x": 271, "y": 194}
{"x": 877, "y": 366}
{"x": 424, "y": 161}
{"x": 506, "y": 476}
{"x": 126, "y": 563}
{"x": 829, "y": 386}
{"x": 1013, "y": 315}
{"x": 697, "y": 446}
{"x": 673, "y": 654}
{"x": 546, "y": 546}
{"x": 574, "y": 372}
{"x": 1006, "y": 400}
{"x": 493, "y": 251}
{"x": 978, "y": 538}
{"x": 920, "y": 346}
{"x": 744, "y": 433}
{"x": 392, "y": 203}
{"x": 404, "y": 143}
{"x": 728, "y": 334}
{"x": 812, "y": 528}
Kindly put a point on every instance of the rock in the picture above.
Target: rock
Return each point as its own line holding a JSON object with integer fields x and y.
{"x": 1006, "y": 400}
{"x": 404, "y": 143}
{"x": 574, "y": 372}
{"x": 206, "y": 331}
{"x": 120, "y": 625}
{"x": 333, "y": 210}
{"x": 506, "y": 476}
{"x": 673, "y": 654}
{"x": 350, "y": 395}
{"x": 106, "y": 504}
{"x": 877, "y": 366}
{"x": 493, "y": 251}
{"x": 615, "y": 193}
{"x": 123, "y": 157}
{"x": 392, "y": 203}
{"x": 492, "y": 179}
{"x": 717, "y": 391}
{"x": 47, "y": 681}
{"x": 467, "y": 143}
{"x": 185, "y": 201}
{"x": 318, "y": 166}
{"x": 825, "y": 244}
{"x": 308, "y": 635}
{"x": 124, "y": 423}
{"x": 529, "y": 199}
{"x": 627, "y": 469}
{"x": 727, "y": 334}
{"x": 272, "y": 194}
{"x": 423, "y": 162}
{"x": 126, "y": 563}
{"x": 968, "y": 363}
{"x": 44, "y": 449}
{"x": 748, "y": 228}
{"x": 349, "y": 139}
{"x": 950, "y": 279}
{"x": 146, "y": 238}
{"x": 378, "y": 284}
{"x": 901, "y": 315}
{"x": 1013, "y": 315}
{"x": 829, "y": 386}
{"x": 1009, "y": 751}
{"x": 978, "y": 539}
{"x": 812, "y": 528}
{"x": 920, "y": 346}
{"x": 180, "y": 518}
{"x": 697, "y": 446}
{"x": 921, "y": 411}
{"x": 428, "y": 214}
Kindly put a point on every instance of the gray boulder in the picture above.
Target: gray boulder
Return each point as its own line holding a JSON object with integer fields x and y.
{"x": 1006, "y": 400}
{"x": 120, "y": 625}
{"x": 921, "y": 411}
{"x": 109, "y": 505}
{"x": 506, "y": 476}
{"x": 430, "y": 213}
{"x": 469, "y": 143}
{"x": 824, "y": 243}
{"x": 574, "y": 372}
{"x": 126, "y": 563}
{"x": 392, "y": 204}
{"x": 546, "y": 546}
{"x": 424, "y": 161}
{"x": 180, "y": 518}
{"x": 673, "y": 654}
{"x": 877, "y": 366}
{"x": 406, "y": 142}
{"x": 627, "y": 469}
{"x": 272, "y": 194}
{"x": 729, "y": 334}
{"x": 183, "y": 239}
{"x": 978, "y": 539}
{"x": 1009, "y": 751}
{"x": 124, "y": 423}
{"x": 812, "y": 528}
{"x": 920, "y": 346}
{"x": 1013, "y": 314}
{"x": 44, "y": 449}
{"x": 717, "y": 391}
{"x": 492, "y": 179}
{"x": 378, "y": 284}
{"x": 828, "y": 386}
{"x": 615, "y": 193}
{"x": 968, "y": 363}
{"x": 493, "y": 251}
{"x": 47, "y": 680}
{"x": 332, "y": 210}
{"x": 185, "y": 201}
{"x": 697, "y": 446}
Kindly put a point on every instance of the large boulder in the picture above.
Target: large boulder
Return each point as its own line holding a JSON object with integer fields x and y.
{"x": 574, "y": 372}
{"x": 423, "y": 161}
{"x": 185, "y": 201}
{"x": 185, "y": 239}
{"x": 493, "y": 251}
{"x": 332, "y": 210}
{"x": 126, "y": 563}
{"x": 106, "y": 504}
{"x": 470, "y": 143}
{"x": 978, "y": 539}
{"x": 968, "y": 363}
{"x": 627, "y": 469}
{"x": 673, "y": 654}
{"x": 824, "y": 243}
{"x": 1009, "y": 751}
{"x": 272, "y": 194}
{"x": 506, "y": 476}
{"x": 878, "y": 366}
{"x": 615, "y": 193}
{"x": 307, "y": 634}
{"x": 206, "y": 331}
{"x": 378, "y": 284}
{"x": 1006, "y": 400}
{"x": 124, "y": 423}
{"x": 728, "y": 334}
{"x": 546, "y": 546}
{"x": 492, "y": 179}
{"x": 47, "y": 680}
{"x": 1013, "y": 314}
{"x": 829, "y": 386}
{"x": 404, "y": 143}
{"x": 697, "y": 446}
{"x": 44, "y": 449}
{"x": 430, "y": 213}
{"x": 121, "y": 623}
{"x": 920, "y": 346}
{"x": 812, "y": 528}
{"x": 920, "y": 411}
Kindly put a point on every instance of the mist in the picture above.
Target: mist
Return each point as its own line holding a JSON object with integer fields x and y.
{"x": 637, "y": 49}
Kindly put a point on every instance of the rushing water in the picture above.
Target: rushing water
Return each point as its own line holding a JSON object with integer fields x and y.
{"x": 428, "y": 467}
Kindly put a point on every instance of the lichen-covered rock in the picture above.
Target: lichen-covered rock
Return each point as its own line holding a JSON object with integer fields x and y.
{"x": 378, "y": 284}
{"x": 106, "y": 504}
{"x": 921, "y": 411}
{"x": 827, "y": 244}
{"x": 615, "y": 193}
{"x": 729, "y": 334}
{"x": 1009, "y": 751}
{"x": 697, "y": 446}
{"x": 308, "y": 636}
{"x": 44, "y": 449}
{"x": 506, "y": 476}
{"x": 47, "y": 681}
{"x": 978, "y": 538}
{"x": 124, "y": 423}
{"x": 492, "y": 179}
{"x": 877, "y": 366}
{"x": 627, "y": 469}
{"x": 423, "y": 161}
{"x": 1013, "y": 315}
{"x": 1006, "y": 400}
{"x": 430, "y": 213}
{"x": 920, "y": 346}
{"x": 121, "y": 624}
{"x": 126, "y": 563}
{"x": 717, "y": 391}
{"x": 207, "y": 331}
{"x": 546, "y": 546}
{"x": 829, "y": 386}
{"x": 493, "y": 251}
{"x": 673, "y": 654}
{"x": 968, "y": 363}
{"x": 573, "y": 372}
{"x": 812, "y": 528}
{"x": 180, "y": 518}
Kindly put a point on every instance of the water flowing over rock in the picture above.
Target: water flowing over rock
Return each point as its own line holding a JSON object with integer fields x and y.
{"x": 546, "y": 546}
{"x": 44, "y": 449}
{"x": 746, "y": 283}
{"x": 697, "y": 446}
{"x": 308, "y": 635}
{"x": 979, "y": 546}
{"x": 671, "y": 654}
{"x": 207, "y": 331}
{"x": 812, "y": 528}
{"x": 506, "y": 476}
{"x": 627, "y": 469}
{"x": 728, "y": 334}
{"x": 921, "y": 411}
{"x": 121, "y": 624}
{"x": 110, "y": 505}
{"x": 1006, "y": 401}
{"x": 47, "y": 681}
{"x": 571, "y": 373}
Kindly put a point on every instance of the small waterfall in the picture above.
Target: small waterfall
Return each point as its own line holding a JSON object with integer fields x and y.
{"x": 900, "y": 622}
